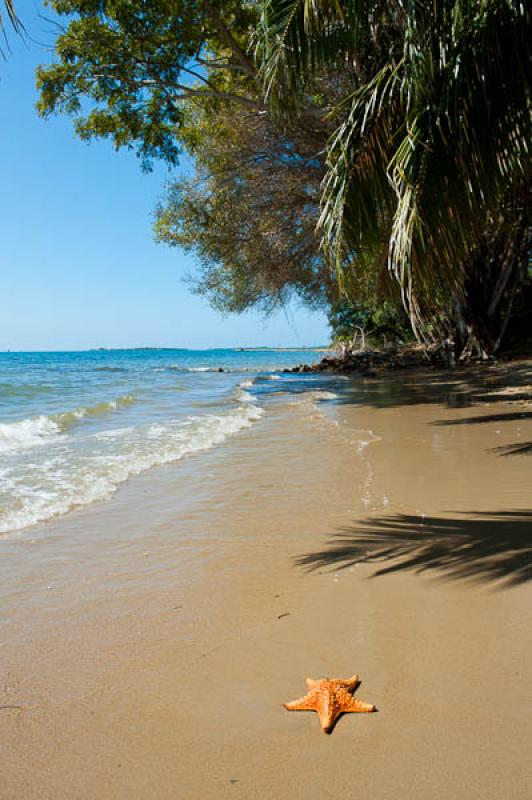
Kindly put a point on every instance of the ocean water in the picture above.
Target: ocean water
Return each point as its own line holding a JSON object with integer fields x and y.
{"x": 74, "y": 426}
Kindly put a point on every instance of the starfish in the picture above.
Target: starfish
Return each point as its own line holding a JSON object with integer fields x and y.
{"x": 331, "y": 699}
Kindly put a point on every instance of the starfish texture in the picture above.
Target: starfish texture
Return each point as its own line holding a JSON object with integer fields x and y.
{"x": 331, "y": 699}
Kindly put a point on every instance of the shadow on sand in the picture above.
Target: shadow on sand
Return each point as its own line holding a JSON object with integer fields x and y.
{"x": 462, "y": 388}
{"x": 517, "y": 449}
{"x": 479, "y": 547}
{"x": 510, "y": 417}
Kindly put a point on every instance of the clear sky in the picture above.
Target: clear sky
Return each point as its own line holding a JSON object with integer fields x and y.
{"x": 80, "y": 267}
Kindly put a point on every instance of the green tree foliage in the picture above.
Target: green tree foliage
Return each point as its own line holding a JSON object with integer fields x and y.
{"x": 430, "y": 157}
{"x": 400, "y": 130}
{"x": 130, "y": 70}
{"x": 250, "y": 211}
{"x": 354, "y": 325}
{"x": 162, "y": 77}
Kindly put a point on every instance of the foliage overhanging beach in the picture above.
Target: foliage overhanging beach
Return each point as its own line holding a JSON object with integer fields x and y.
{"x": 368, "y": 155}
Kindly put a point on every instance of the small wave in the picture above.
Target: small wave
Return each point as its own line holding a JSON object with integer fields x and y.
{"x": 27, "y": 390}
{"x": 65, "y": 485}
{"x": 68, "y": 418}
{"x": 36, "y": 431}
{"x": 116, "y": 433}
{"x": 241, "y": 394}
{"x": 27, "y": 433}
{"x": 243, "y": 397}
{"x": 110, "y": 369}
{"x": 266, "y": 378}
{"x": 179, "y": 368}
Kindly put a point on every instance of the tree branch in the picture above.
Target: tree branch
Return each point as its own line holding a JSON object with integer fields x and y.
{"x": 245, "y": 62}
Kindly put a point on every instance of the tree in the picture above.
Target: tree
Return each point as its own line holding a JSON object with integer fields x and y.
{"x": 163, "y": 77}
{"x": 250, "y": 211}
{"x": 413, "y": 117}
{"x": 12, "y": 18}
{"x": 429, "y": 164}
{"x": 354, "y": 325}
{"x": 131, "y": 71}
{"x": 11, "y": 15}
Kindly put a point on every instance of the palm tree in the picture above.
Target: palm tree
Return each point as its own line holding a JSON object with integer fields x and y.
{"x": 10, "y": 10}
{"x": 429, "y": 165}
{"x": 12, "y": 17}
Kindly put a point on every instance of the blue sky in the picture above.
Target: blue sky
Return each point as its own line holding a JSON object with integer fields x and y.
{"x": 79, "y": 264}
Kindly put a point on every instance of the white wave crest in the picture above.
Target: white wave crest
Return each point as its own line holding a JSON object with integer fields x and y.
{"x": 69, "y": 478}
{"x": 36, "y": 431}
{"x": 181, "y": 368}
{"x": 27, "y": 433}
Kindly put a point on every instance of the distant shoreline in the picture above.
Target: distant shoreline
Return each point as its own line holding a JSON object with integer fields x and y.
{"x": 306, "y": 349}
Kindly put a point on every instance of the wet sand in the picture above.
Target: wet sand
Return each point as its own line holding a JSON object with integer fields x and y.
{"x": 148, "y": 642}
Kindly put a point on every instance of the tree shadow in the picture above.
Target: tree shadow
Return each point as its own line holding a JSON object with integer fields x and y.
{"x": 511, "y": 417}
{"x": 517, "y": 449}
{"x": 460, "y": 388}
{"x": 480, "y": 547}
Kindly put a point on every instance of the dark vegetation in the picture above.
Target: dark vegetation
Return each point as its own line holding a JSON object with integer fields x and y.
{"x": 369, "y": 158}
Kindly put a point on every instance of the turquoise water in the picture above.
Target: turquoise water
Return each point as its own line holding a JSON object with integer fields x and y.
{"x": 74, "y": 426}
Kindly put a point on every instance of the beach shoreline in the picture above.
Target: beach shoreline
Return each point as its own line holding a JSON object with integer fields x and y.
{"x": 150, "y": 641}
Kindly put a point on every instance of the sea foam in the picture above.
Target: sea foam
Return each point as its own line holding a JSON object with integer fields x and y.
{"x": 27, "y": 433}
{"x": 75, "y": 476}
{"x": 40, "y": 430}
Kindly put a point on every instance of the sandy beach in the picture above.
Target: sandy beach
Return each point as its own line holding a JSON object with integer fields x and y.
{"x": 148, "y": 642}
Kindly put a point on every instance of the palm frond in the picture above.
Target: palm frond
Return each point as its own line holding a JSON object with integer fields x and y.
{"x": 296, "y": 39}
{"x": 14, "y": 21}
{"x": 433, "y": 138}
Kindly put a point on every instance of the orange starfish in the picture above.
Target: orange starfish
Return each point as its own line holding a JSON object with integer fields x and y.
{"x": 331, "y": 699}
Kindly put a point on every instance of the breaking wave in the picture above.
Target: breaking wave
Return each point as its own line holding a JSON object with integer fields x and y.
{"x": 73, "y": 476}
{"x": 27, "y": 433}
{"x": 36, "y": 431}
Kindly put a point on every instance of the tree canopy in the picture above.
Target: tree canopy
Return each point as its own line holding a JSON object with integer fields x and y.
{"x": 250, "y": 212}
{"x": 130, "y": 71}
{"x": 430, "y": 155}
{"x": 341, "y": 146}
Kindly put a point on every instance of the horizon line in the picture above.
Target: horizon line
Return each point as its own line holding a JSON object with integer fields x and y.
{"x": 237, "y": 348}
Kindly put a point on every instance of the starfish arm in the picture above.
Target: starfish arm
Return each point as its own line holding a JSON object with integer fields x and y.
{"x": 358, "y": 706}
{"x": 306, "y": 703}
{"x": 352, "y": 683}
{"x": 328, "y": 717}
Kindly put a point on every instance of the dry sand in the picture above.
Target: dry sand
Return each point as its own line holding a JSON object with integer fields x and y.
{"x": 149, "y": 642}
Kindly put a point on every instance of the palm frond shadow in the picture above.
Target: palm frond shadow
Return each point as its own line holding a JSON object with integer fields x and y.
{"x": 479, "y": 547}
{"x": 516, "y": 449}
{"x": 510, "y": 417}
